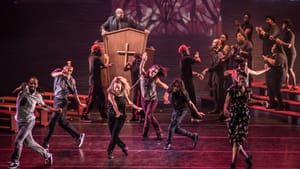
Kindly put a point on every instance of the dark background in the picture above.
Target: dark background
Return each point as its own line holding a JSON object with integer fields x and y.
{"x": 40, "y": 35}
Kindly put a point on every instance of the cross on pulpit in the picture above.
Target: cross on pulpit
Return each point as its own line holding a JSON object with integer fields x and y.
{"x": 126, "y": 53}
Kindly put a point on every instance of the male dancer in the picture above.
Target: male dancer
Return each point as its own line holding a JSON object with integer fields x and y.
{"x": 27, "y": 99}
{"x": 64, "y": 83}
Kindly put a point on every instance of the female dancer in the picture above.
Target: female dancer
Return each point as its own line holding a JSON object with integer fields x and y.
{"x": 236, "y": 106}
{"x": 180, "y": 99}
{"x": 148, "y": 81}
{"x": 117, "y": 96}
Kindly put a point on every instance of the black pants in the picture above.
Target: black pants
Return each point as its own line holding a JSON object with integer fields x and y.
{"x": 189, "y": 85}
{"x": 96, "y": 92}
{"x": 62, "y": 121}
{"x": 115, "y": 126}
{"x": 218, "y": 96}
{"x": 273, "y": 81}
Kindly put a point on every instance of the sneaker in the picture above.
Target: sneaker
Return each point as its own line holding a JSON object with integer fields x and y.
{"x": 49, "y": 159}
{"x": 168, "y": 146}
{"x": 81, "y": 139}
{"x": 14, "y": 165}
{"x": 195, "y": 140}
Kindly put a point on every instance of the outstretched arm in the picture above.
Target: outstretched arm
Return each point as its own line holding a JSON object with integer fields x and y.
{"x": 162, "y": 84}
{"x": 258, "y": 72}
{"x": 57, "y": 72}
{"x": 191, "y": 104}
{"x": 132, "y": 104}
{"x": 144, "y": 59}
{"x": 51, "y": 109}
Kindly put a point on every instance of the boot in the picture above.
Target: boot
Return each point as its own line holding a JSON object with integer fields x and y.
{"x": 232, "y": 166}
{"x": 249, "y": 161}
{"x": 195, "y": 140}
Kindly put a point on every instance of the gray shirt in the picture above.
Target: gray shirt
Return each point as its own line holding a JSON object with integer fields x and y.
{"x": 26, "y": 103}
{"x": 148, "y": 88}
{"x": 64, "y": 86}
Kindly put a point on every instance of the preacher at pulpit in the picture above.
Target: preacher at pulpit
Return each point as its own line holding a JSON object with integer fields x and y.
{"x": 120, "y": 21}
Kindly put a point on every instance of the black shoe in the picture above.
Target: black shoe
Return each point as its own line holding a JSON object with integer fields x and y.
{"x": 133, "y": 120}
{"x": 49, "y": 160}
{"x": 232, "y": 166}
{"x": 110, "y": 156}
{"x": 13, "y": 165}
{"x": 159, "y": 136}
{"x": 85, "y": 118}
{"x": 144, "y": 137}
{"x": 168, "y": 146}
{"x": 125, "y": 151}
{"x": 195, "y": 140}
{"x": 249, "y": 161}
{"x": 80, "y": 140}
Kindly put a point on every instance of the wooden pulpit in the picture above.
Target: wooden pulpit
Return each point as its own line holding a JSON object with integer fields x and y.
{"x": 120, "y": 46}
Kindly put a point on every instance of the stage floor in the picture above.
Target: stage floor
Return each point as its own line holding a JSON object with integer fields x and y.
{"x": 273, "y": 142}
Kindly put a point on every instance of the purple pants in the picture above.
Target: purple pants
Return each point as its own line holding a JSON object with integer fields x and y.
{"x": 149, "y": 108}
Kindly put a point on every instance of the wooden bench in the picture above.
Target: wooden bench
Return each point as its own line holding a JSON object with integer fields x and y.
{"x": 83, "y": 98}
{"x": 42, "y": 114}
{"x": 7, "y": 120}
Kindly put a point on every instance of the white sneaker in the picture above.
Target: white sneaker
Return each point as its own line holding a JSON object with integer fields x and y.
{"x": 81, "y": 139}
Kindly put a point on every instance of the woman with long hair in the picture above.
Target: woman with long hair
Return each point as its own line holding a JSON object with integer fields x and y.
{"x": 118, "y": 92}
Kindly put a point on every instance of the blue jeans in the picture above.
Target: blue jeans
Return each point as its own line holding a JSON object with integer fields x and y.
{"x": 25, "y": 136}
{"x": 177, "y": 117}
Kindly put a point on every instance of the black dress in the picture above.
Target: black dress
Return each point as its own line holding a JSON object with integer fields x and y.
{"x": 239, "y": 115}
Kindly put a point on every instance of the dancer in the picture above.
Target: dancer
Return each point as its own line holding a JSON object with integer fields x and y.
{"x": 148, "y": 81}
{"x": 187, "y": 75}
{"x": 27, "y": 99}
{"x": 134, "y": 68}
{"x": 287, "y": 41}
{"x": 64, "y": 83}
{"x": 180, "y": 99}
{"x": 95, "y": 82}
{"x": 236, "y": 107}
{"x": 118, "y": 92}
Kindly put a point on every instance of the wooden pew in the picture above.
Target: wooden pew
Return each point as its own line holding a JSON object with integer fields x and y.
{"x": 42, "y": 114}
{"x": 83, "y": 98}
{"x": 8, "y": 122}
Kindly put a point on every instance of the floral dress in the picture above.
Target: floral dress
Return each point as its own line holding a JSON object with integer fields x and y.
{"x": 239, "y": 115}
